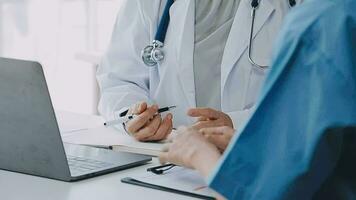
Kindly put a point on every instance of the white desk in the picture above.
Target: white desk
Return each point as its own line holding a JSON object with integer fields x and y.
{"x": 15, "y": 186}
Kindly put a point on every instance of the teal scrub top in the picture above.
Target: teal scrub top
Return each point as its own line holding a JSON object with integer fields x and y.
{"x": 300, "y": 142}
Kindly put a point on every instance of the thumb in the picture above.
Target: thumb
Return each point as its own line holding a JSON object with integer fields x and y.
{"x": 163, "y": 158}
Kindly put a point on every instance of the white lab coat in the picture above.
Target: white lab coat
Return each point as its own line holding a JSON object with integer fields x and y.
{"x": 125, "y": 80}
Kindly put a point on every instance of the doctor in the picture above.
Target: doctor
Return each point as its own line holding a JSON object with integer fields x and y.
{"x": 206, "y": 62}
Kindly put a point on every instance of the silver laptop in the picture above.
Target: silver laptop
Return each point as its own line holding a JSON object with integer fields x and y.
{"x": 30, "y": 140}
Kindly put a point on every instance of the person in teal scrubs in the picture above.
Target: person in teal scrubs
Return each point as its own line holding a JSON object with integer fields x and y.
{"x": 300, "y": 143}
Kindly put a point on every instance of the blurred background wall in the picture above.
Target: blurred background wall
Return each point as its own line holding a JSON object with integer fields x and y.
{"x": 67, "y": 36}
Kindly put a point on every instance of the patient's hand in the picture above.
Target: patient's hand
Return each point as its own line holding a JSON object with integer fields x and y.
{"x": 208, "y": 117}
{"x": 219, "y": 136}
{"x": 191, "y": 149}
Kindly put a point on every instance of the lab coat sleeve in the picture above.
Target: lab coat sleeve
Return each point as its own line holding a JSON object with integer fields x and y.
{"x": 123, "y": 79}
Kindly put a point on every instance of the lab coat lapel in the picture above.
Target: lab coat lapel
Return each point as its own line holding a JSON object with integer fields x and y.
{"x": 239, "y": 35}
{"x": 185, "y": 32}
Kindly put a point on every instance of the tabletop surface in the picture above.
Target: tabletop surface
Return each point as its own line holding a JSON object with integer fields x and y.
{"x": 15, "y": 186}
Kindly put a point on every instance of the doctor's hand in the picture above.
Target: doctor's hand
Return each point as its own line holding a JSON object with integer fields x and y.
{"x": 219, "y": 136}
{"x": 191, "y": 149}
{"x": 208, "y": 117}
{"x": 148, "y": 125}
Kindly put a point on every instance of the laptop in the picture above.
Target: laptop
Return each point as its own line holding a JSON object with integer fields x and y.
{"x": 30, "y": 140}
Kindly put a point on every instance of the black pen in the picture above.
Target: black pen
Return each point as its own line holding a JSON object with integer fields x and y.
{"x": 126, "y": 117}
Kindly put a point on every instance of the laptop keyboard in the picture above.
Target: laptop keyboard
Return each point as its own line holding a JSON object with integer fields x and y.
{"x": 79, "y": 165}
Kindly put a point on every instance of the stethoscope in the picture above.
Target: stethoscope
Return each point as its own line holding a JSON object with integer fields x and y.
{"x": 153, "y": 54}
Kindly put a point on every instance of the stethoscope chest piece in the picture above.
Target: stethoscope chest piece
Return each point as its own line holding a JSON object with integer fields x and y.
{"x": 153, "y": 54}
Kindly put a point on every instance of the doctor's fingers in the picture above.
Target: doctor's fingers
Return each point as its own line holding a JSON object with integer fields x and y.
{"x": 208, "y": 124}
{"x": 204, "y": 112}
{"x": 164, "y": 129}
{"x": 138, "y": 108}
{"x": 141, "y": 120}
{"x": 149, "y": 130}
{"x": 203, "y": 119}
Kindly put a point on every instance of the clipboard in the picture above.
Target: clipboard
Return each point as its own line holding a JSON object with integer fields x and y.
{"x": 178, "y": 180}
{"x": 132, "y": 181}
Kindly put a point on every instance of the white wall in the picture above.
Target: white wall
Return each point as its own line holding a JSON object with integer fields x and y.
{"x": 54, "y": 32}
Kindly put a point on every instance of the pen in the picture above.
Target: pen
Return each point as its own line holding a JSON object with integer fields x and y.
{"x": 166, "y": 109}
{"x": 124, "y": 119}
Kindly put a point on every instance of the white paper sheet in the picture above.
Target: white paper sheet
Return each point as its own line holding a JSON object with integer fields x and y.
{"x": 103, "y": 136}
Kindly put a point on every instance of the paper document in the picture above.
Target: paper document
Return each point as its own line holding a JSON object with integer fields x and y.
{"x": 178, "y": 178}
{"x": 105, "y": 137}
{"x": 69, "y": 122}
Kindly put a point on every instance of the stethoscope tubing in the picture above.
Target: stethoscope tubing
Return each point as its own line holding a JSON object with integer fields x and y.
{"x": 253, "y": 16}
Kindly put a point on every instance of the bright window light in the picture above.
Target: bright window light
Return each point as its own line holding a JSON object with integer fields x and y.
{"x": 58, "y": 33}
